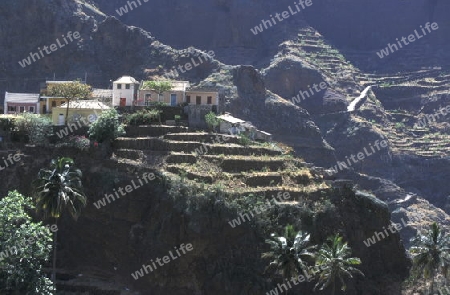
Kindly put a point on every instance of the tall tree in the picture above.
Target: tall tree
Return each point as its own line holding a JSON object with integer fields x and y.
{"x": 289, "y": 252}
{"x": 334, "y": 261}
{"x": 25, "y": 246}
{"x": 69, "y": 91}
{"x": 431, "y": 254}
{"x": 158, "y": 86}
{"x": 58, "y": 189}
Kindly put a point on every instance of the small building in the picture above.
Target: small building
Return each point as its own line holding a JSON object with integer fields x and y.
{"x": 125, "y": 91}
{"x": 103, "y": 95}
{"x": 21, "y": 102}
{"x": 172, "y": 97}
{"x": 89, "y": 110}
{"x": 203, "y": 96}
{"x": 230, "y": 124}
{"x": 47, "y": 103}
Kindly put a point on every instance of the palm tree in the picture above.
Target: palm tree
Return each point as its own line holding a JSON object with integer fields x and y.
{"x": 334, "y": 261}
{"x": 289, "y": 251}
{"x": 58, "y": 189}
{"x": 431, "y": 254}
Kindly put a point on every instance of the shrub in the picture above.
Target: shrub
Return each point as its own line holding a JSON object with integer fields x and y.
{"x": 34, "y": 127}
{"x": 106, "y": 127}
{"x": 76, "y": 141}
{"x": 143, "y": 117}
{"x": 211, "y": 121}
{"x": 244, "y": 140}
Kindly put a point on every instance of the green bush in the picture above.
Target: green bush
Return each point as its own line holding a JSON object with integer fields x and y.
{"x": 107, "y": 127}
{"x": 34, "y": 127}
{"x": 143, "y": 117}
{"x": 244, "y": 140}
{"x": 6, "y": 123}
{"x": 212, "y": 121}
{"x": 76, "y": 141}
{"x": 25, "y": 246}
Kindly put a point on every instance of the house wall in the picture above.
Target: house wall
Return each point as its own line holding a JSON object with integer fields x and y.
{"x": 165, "y": 97}
{"x": 85, "y": 113}
{"x": 43, "y": 102}
{"x": 204, "y": 97}
{"x": 18, "y": 105}
{"x": 129, "y": 94}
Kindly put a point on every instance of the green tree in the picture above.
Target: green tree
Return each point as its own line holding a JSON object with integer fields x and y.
{"x": 158, "y": 86}
{"x": 289, "y": 252}
{"x": 431, "y": 254}
{"x": 212, "y": 121}
{"x": 334, "y": 261}
{"x": 25, "y": 246}
{"x": 57, "y": 189}
{"x": 107, "y": 127}
{"x": 69, "y": 91}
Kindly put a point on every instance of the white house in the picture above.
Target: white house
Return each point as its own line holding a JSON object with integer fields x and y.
{"x": 125, "y": 91}
{"x": 21, "y": 102}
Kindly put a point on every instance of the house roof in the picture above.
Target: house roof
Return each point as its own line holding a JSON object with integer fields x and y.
{"x": 230, "y": 119}
{"x": 203, "y": 89}
{"x": 86, "y": 104}
{"x": 176, "y": 85}
{"x": 102, "y": 93}
{"x": 22, "y": 97}
{"x": 126, "y": 80}
{"x": 59, "y": 82}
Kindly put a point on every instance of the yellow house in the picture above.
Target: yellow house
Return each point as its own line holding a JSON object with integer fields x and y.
{"x": 86, "y": 111}
{"x": 173, "y": 97}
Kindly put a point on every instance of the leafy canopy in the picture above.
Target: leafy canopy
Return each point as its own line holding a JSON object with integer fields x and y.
{"x": 69, "y": 90}
{"x": 107, "y": 127}
{"x": 59, "y": 188}
{"x": 158, "y": 86}
{"x": 25, "y": 246}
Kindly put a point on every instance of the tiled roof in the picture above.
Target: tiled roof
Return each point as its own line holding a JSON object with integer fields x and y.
{"x": 86, "y": 104}
{"x": 22, "y": 97}
{"x": 102, "y": 93}
{"x": 230, "y": 119}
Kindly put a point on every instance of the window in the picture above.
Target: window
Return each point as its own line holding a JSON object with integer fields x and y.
{"x": 188, "y": 99}
{"x": 209, "y": 100}
{"x": 198, "y": 100}
{"x": 31, "y": 109}
{"x": 53, "y": 103}
{"x": 127, "y": 86}
{"x": 12, "y": 108}
{"x": 119, "y": 86}
{"x": 22, "y": 109}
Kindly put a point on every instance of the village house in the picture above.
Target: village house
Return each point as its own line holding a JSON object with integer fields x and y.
{"x": 87, "y": 109}
{"x": 21, "y": 102}
{"x": 125, "y": 91}
{"x": 103, "y": 95}
{"x": 173, "y": 97}
{"x": 203, "y": 96}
